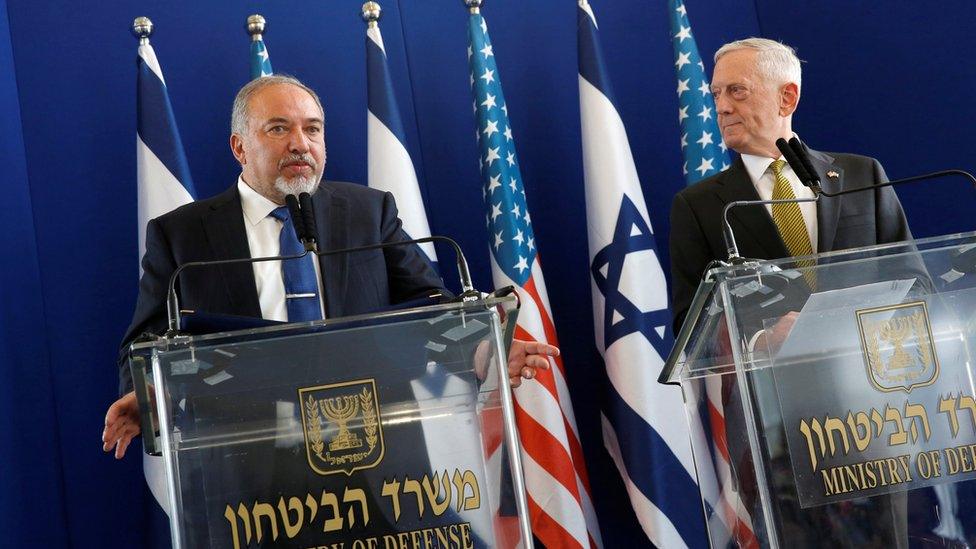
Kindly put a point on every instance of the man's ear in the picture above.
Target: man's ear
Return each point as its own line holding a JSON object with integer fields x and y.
{"x": 237, "y": 147}
{"x": 789, "y": 98}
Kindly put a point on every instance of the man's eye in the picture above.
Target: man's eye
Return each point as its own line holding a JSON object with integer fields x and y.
{"x": 276, "y": 129}
{"x": 314, "y": 130}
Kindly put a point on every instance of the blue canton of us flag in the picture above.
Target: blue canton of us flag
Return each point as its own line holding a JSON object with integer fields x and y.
{"x": 704, "y": 151}
{"x": 512, "y": 239}
{"x": 260, "y": 61}
{"x": 631, "y": 318}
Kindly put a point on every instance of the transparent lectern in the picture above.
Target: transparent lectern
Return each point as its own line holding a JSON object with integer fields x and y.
{"x": 831, "y": 399}
{"x": 384, "y": 430}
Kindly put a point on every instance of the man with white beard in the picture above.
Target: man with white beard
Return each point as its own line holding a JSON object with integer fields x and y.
{"x": 278, "y": 137}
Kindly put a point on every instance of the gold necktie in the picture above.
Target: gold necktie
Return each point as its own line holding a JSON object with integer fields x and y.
{"x": 789, "y": 220}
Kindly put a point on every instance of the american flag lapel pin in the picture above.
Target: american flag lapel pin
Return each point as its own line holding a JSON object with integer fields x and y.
{"x": 833, "y": 175}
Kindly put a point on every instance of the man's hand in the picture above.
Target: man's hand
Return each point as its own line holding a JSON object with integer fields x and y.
{"x": 121, "y": 424}
{"x": 525, "y": 358}
{"x": 776, "y": 335}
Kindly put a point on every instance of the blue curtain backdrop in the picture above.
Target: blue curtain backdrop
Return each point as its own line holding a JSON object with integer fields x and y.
{"x": 890, "y": 79}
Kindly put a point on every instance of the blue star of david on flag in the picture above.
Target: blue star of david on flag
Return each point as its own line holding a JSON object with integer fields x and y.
{"x": 622, "y": 316}
{"x": 704, "y": 152}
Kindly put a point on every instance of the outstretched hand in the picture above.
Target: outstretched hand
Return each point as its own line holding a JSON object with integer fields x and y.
{"x": 121, "y": 424}
{"x": 526, "y": 358}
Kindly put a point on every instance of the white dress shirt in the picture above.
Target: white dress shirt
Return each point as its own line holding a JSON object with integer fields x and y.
{"x": 263, "y": 233}
{"x": 761, "y": 173}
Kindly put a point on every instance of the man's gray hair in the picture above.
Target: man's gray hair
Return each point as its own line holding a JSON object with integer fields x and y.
{"x": 776, "y": 62}
{"x": 239, "y": 113}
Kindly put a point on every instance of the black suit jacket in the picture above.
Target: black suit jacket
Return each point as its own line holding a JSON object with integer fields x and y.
{"x": 858, "y": 219}
{"x": 348, "y": 215}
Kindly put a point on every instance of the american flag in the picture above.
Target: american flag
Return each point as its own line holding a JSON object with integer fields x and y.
{"x": 164, "y": 183}
{"x": 631, "y": 318}
{"x": 390, "y": 166}
{"x": 704, "y": 151}
{"x": 560, "y": 503}
{"x": 705, "y": 154}
{"x": 260, "y": 61}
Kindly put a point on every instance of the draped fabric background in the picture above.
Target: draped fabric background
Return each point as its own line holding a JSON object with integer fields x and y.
{"x": 890, "y": 79}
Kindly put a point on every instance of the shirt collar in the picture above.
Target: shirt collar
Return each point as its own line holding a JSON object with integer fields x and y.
{"x": 256, "y": 207}
{"x": 756, "y": 166}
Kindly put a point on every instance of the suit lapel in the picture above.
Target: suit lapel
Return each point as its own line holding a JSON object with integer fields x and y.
{"x": 828, "y": 209}
{"x": 224, "y": 227}
{"x": 332, "y": 218}
{"x": 736, "y": 185}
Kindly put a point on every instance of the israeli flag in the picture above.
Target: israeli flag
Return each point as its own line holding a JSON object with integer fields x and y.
{"x": 164, "y": 184}
{"x": 390, "y": 166}
{"x": 642, "y": 420}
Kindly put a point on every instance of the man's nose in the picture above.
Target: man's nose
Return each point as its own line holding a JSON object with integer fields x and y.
{"x": 298, "y": 142}
{"x": 722, "y": 104}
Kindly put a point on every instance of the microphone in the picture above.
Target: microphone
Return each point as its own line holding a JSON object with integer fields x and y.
{"x": 732, "y": 249}
{"x": 468, "y": 293}
{"x": 801, "y": 154}
{"x": 308, "y": 217}
{"x": 295, "y": 211}
{"x": 794, "y": 161}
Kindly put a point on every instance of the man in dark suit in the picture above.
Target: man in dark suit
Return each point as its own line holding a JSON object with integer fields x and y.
{"x": 756, "y": 85}
{"x": 278, "y": 139}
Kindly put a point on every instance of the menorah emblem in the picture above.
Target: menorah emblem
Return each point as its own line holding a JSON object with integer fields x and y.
{"x": 340, "y": 410}
{"x": 895, "y": 331}
{"x": 353, "y": 409}
{"x": 897, "y": 345}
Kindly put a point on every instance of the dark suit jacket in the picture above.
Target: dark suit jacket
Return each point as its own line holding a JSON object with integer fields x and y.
{"x": 854, "y": 220}
{"x": 348, "y": 215}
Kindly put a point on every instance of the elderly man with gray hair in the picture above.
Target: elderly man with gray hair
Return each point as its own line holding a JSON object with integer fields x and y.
{"x": 756, "y": 86}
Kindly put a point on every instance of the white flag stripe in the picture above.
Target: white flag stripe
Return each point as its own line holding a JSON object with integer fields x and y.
{"x": 374, "y": 34}
{"x": 636, "y": 383}
{"x": 608, "y": 167}
{"x": 530, "y": 320}
{"x": 159, "y": 190}
{"x": 655, "y": 523}
{"x": 391, "y": 170}
{"x": 555, "y": 500}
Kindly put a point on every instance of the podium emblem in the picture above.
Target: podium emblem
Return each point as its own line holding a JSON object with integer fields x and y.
{"x": 897, "y": 345}
{"x": 343, "y": 431}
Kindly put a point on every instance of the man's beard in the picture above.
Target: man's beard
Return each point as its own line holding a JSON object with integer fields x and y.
{"x": 297, "y": 185}
{"x": 300, "y": 183}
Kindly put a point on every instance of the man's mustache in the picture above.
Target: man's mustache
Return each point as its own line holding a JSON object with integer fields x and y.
{"x": 294, "y": 159}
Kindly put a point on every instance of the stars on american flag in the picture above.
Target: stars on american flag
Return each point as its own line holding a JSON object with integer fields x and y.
{"x": 511, "y": 238}
{"x": 696, "y": 111}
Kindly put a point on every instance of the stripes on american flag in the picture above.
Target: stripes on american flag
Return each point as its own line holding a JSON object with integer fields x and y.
{"x": 642, "y": 425}
{"x": 164, "y": 184}
{"x": 560, "y": 504}
{"x": 702, "y": 146}
{"x": 390, "y": 166}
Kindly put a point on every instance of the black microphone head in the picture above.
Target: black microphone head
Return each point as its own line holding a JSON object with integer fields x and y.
{"x": 296, "y": 216}
{"x": 801, "y": 152}
{"x": 794, "y": 161}
{"x": 308, "y": 216}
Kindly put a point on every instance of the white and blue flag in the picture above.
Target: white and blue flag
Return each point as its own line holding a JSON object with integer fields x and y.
{"x": 643, "y": 426}
{"x": 164, "y": 184}
{"x": 704, "y": 151}
{"x": 390, "y": 166}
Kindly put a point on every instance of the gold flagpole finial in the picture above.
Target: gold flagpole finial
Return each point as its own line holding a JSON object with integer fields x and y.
{"x": 372, "y": 13}
{"x": 474, "y": 6}
{"x": 142, "y": 27}
{"x": 255, "y": 26}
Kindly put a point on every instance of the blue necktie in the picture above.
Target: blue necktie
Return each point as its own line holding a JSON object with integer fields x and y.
{"x": 301, "y": 290}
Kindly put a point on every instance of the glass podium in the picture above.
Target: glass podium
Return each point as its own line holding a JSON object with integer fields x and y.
{"x": 831, "y": 399}
{"x": 383, "y": 430}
